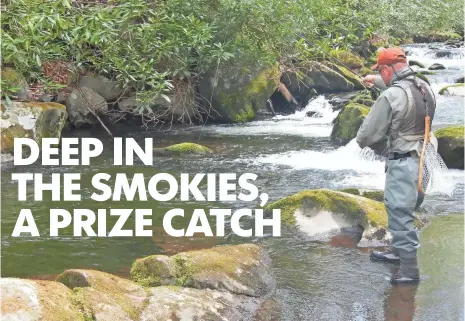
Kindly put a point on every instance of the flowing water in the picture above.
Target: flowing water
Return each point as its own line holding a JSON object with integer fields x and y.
{"x": 315, "y": 280}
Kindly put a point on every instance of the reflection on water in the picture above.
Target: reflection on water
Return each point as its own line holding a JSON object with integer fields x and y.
{"x": 400, "y": 303}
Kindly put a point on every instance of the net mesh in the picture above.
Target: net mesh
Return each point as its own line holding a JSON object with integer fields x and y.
{"x": 434, "y": 169}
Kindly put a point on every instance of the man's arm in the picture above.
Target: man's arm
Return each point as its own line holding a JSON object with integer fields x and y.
{"x": 374, "y": 130}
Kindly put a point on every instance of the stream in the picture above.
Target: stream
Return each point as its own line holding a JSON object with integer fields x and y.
{"x": 315, "y": 280}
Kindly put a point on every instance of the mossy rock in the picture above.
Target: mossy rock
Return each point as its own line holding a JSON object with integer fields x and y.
{"x": 436, "y": 37}
{"x": 363, "y": 98}
{"x": 413, "y": 62}
{"x": 35, "y": 120}
{"x": 239, "y": 269}
{"x": 38, "y": 300}
{"x": 455, "y": 90}
{"x": 105, "y": 294}
{"x": 312, "y": 75}
{"x": 428, "y": 73}
{"x": 348, "y": 209}
{"x": 14, "y": 84}
{"x": 237, "y": 93}
{"x": 348, "y": 74}
{"x": 183, "y": 148}
{"x": 348, "y": 122}
{"x": 349, "y": 59}
{"x": 373, "y": 195}
{"x": 423, "y": 77}
{"x": 451, "y": 145}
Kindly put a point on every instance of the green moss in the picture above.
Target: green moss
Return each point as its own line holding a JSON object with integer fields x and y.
{"x": 243, "y": 115}
{"x": 353, "y": 191}
{"x": 83, "y": 304}
{"x": 8, "y": 134}
{"x": 43, "y": 105}
{"x": 188, "y": 148}
{"x": 183, "y": 267}
{"x": 428, "y": 72}
{"x": 423, "y": 77}
{"x": 363, "y": 210}
{"x": 450, "y": 132}
{"x": 111, "y": 285}
{"x": 348, "y": 122}
{"x": 348, "y": 74}
{"x": 147, "y": 271}
{"x": 349, "y": 59}
{"x": 12, "y": 81}
{"x": 443, "y": 89}
{"x": 416, "y": 63}
{"x": 363, "y": 98}
{"x": 374, "y": 195}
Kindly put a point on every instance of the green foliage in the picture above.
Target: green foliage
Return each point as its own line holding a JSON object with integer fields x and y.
{"x": 146, "y": 45}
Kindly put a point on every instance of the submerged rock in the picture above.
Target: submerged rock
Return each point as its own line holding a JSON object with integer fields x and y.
{"x": 451, "y": 145}
{"x": 436, "y": 67}
{"x": 30, "y": 300}
{"x": 459, "y": 80}
{"x": 35, "y": 120}
{"x": 237, "y": 93}
{"x": 321, "y": 211}
{"x": 348, "y": 122}
{"x": 453, "y": 90}
{"x": 78, "y": 104}
{"x": 240, "y": 269}
{"x": 182, "y": 148}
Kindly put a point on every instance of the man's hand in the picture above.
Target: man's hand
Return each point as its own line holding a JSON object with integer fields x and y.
{"x": 368, "y": 80}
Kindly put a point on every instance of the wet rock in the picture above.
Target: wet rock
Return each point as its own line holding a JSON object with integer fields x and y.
{"x": 14, "y": 84}
{"x": 436, "y": 37}
{"x": 348, "y": 122}
{"x": 453, "y": 90}
{"x": 182, "y": 148}
{"x": 321, "y": 211}
{"x": 412, "y": 62}
{"x": 103, "y": 86}
{"x": 78, "y": 104}
{"x": 237, "y": 93}
{"x": 451, "y": 146}
{"x": 371, "y": 194}
{"x": 37, "y": 300}
{"x": 363, "y": 98}
{"x": 239, "y": 269}
{"x": 338, "y": 102}
{"x": 105, "y": 296}
{"x": 459, "y": 80}
{"x": 436, "y": 66}
{"x": 314, "y": 75}
{"x": 348, "y": 74}
{"x": 314, "y": 114}
{"x": 176, "y": 303}
{"x": 35, "y": 120}
{"x": 444, "y": 54}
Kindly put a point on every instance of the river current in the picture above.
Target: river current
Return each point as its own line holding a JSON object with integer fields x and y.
{"x": 315, "y": 280}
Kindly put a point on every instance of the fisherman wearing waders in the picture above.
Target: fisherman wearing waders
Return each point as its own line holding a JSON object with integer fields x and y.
{"x": 395, "y": 128}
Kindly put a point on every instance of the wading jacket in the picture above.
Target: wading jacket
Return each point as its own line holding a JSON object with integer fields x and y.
{"x": 395, "y": 122}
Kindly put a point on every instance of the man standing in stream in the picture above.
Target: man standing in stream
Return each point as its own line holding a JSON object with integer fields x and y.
{"x": 395, "y": 129}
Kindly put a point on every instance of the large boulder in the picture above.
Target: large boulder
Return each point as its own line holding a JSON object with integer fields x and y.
{"x": 104, "y": 296}
{"x": 108, "y": 89}
{"x": 14, "y": 84}
{"x": 176, "y": 303}
{"x": 348, "y": 122}
{"x": 322, "y": 212}
{"x": 35, "y": 120}
{"x": 182, "y": 148}
{"x": 27, "y": 300}
{"x": 451, "y": 145}
{"x": 240, "y": 269}
{"x": 453, "y": 90}
{"x": 236, "y": 93}
{"x": 78, "y": 104}
{"x": 348, "y": 74}
{"x": 301, "y": 80}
